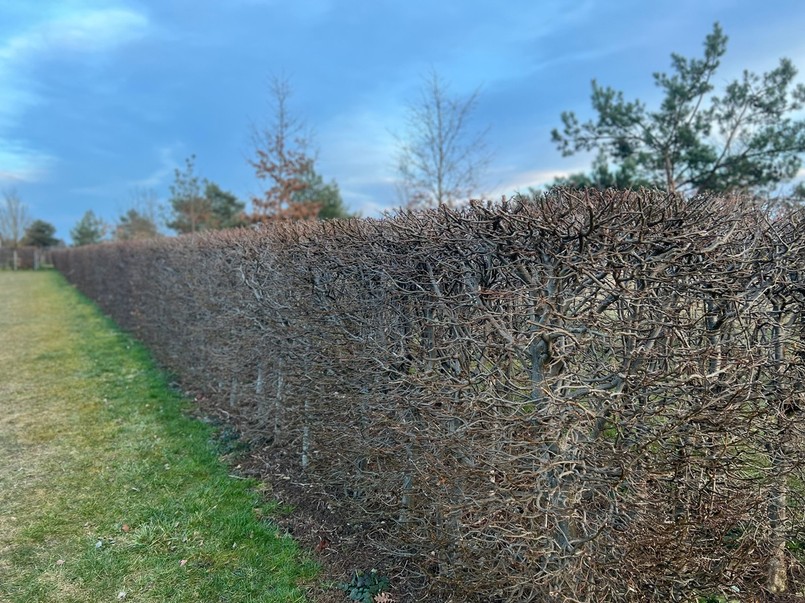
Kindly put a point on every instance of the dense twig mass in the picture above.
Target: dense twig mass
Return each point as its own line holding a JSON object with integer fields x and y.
{"x": 580, "y": 397}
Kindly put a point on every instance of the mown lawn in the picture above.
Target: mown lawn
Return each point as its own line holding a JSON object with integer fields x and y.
{"x": 108, "y": 492}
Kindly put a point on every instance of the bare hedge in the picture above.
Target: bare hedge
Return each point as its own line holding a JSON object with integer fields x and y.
{"x": 581, "y": 397}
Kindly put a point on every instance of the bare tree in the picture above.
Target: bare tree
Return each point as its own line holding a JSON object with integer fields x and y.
{"x": 141, "y": 219}
{"x": 440, "y": 159}
{"x": 283, "y": 159}
{"x": 14, "y": 220}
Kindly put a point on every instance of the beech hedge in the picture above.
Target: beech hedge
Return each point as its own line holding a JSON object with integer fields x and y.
{"x": 581, "y": 396}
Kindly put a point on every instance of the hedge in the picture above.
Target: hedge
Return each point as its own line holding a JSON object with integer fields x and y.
{"x": 582, "y": 396}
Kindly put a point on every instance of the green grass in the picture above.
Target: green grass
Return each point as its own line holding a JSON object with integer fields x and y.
{"x": 107, "y": 490}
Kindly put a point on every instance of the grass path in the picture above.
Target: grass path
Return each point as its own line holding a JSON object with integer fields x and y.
{"x": 107, "y": 491}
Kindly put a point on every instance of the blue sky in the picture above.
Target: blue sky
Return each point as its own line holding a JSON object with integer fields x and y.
{"x": 102, "y": 99}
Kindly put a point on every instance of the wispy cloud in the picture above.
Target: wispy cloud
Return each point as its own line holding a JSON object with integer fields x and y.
{"x": 166, "y": 164}
{"x": 520, "y": 182}
{"x": 90, "y": 31}
{"x": 19, "y": 163}
{"x": 364, "y": 204}
{"x": 362, "y": 154}
{"x": 80, "y": 32}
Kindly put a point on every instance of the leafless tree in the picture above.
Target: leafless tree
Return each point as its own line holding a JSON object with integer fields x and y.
{"x": 440, "y": 158}
{"x": 14, "y": 220}
{"x": 141, "y": 219}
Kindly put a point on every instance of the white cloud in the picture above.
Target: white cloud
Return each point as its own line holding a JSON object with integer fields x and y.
{"x": 358, "y": 150}
{"x": 363, "y": 204}
{"x": 83, "y": 31}
{"x": 91, "y": 31}
{"x": 18, "y": 163}
{"x": 520, "y": 182}
{"x": 167, "y": 163}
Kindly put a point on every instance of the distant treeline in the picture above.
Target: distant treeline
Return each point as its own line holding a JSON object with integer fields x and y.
{"x": 587, "y": 396}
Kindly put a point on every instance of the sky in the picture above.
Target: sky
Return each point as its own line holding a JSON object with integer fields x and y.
{"x": 101, "y": 100}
